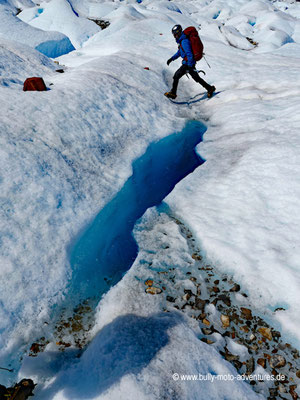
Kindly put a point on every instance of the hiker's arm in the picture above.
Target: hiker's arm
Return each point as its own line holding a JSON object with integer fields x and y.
{"x": 176, "y": 55}
{"x": 186, "y": 45}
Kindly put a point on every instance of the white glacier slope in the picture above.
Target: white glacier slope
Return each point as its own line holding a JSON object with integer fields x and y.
{"x": 67, "y": 152}
{"x": 52, "y": 44}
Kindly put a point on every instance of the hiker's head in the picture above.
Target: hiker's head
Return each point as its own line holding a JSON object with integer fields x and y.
{"x": 177, "y": 31}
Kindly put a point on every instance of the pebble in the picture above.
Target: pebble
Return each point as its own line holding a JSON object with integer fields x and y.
{"x": 153, "y": 290}
{"x": 244, "y": 328}
{"x": 265, "y": 332}
{"x": 149, "y": 282}
{"x": 235, "y": 288}
{"x": 186, "y": 297}
{"x": 262, "y": 362}
{"x": 277, "y": 361}
{"x": 170, "y": 299}
{"x": 282, "y": 389}
{"x": 225, "y": 320}
{"x": 200, "y": 304}
{"x": 250, "y": 365}
{"x": 246, "y": 313}
{"x": 225, "y": 299}
{"x": 205, "y": 340}
{"x": 252, "y": 337}
{"x": 207, "y": 331}
{"x": 229, "y": 357}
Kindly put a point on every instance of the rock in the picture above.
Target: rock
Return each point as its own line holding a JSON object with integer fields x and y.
{"x": 235, "y": 288}
{"x": 250, "y": 365}
{"x": 206, "y": 322}
{"x": 149, "y": 282}
{"x": 153, "y": 290}
{"x": 298, "y": 373}
{"x": 216, "y": 282}
{"x": 237, "y": 364}
{"x": 76, "y": 327}
{"x": 193, "y": 279}
{"x": 244, "y": 328}
{"x": 205, "y": 340}
{"x": 216, "y": 289}
{"x": 100, "y": 22}
{"x": 35, "y": 349}
{"x": 170, "y": 299}
{"x": 273, "y": 392}
{"x": 225, "y": 320}
{"x": 64, "y": 344}
{"x": 207, "y": 331}
{"x": 186, "y": 297}
{"x": 262, "y": 362}
{"x": 277, "y": 361}
{"x": 252, "y": 337}
{"x": 281, "y": 388}
{"x": 214, "y": 302}
{"x": 196, "y": 257}
{"x": 228, "y": 356}
{"x": 225, "y": 299}
{"x": 292, "y": 392}
{"x": 279, "y": 309}
{"x": 265, "y": 332}
{"x": 276, "y": 334}
{"x": 200, "y": 304}
{"x": 246, "y": 313}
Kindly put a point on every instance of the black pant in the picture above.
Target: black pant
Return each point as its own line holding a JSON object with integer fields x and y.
{"x": 194, "y": 74}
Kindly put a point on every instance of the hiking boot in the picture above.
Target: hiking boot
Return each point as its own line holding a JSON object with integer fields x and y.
{"x": 211, "y": 91}
{"x": 170, "y": 95}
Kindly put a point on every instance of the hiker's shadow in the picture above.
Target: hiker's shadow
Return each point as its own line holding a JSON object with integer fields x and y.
{"x": 193, "y": 100}
{"x": 125, "y": 346}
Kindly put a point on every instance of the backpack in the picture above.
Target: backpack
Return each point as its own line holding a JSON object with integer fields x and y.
{"x": 34, "y": 83}
{"x": 196, "y": 44}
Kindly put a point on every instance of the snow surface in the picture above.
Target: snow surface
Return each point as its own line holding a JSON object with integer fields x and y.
{"x": 52, "y": 44}
{"x": 59, "y": 16}
{"x": 66, "y": 153}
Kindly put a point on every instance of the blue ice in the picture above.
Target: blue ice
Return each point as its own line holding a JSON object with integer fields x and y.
{"x": 107, "y": 249}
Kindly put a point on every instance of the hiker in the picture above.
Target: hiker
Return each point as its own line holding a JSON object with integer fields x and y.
{"x": 188, "y": 63}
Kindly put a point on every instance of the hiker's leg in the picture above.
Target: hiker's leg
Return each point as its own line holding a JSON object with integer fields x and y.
{"x": 178, "y": 74}
{"x": 194, "y": 74}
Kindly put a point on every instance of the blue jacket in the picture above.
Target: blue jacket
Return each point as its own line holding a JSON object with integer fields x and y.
{"x": 184, "y": 51}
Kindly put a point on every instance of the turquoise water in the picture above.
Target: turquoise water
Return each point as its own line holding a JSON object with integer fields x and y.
{"x": 107, "y": 249}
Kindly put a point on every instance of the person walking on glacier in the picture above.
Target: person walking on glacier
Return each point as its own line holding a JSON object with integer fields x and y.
{"x": 190, "y": 48}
